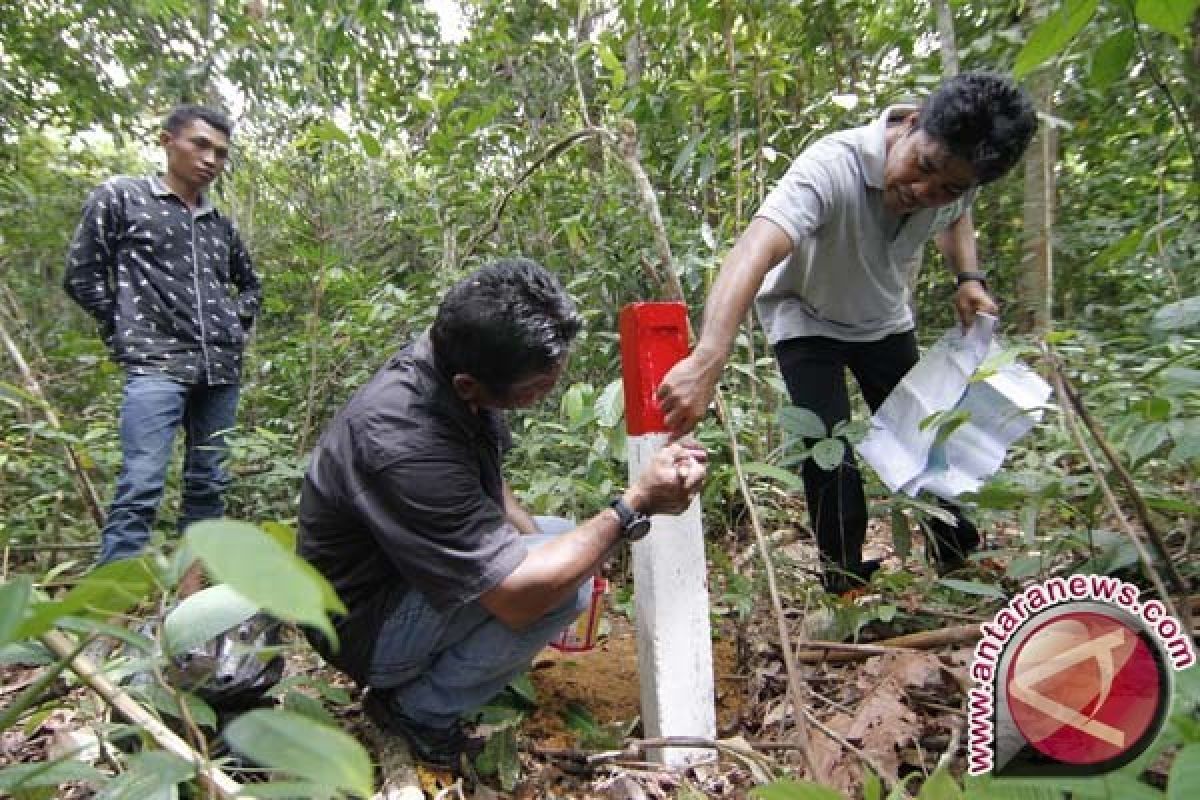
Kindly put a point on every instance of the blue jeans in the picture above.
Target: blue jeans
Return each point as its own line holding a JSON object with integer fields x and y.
{"x": 152, "y": 409}
{"x": 444, "y": 664}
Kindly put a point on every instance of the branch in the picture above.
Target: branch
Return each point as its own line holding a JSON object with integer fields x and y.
{"x": 923, "y": 640}
{"x": 551, "y": 152}
{"x": 225, "y": 787}
{"x": 83, "y": 483}
{"x": 1070, "y": 419}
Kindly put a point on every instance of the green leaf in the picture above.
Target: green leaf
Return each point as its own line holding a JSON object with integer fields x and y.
{"x": 687, "y": 154}
{"x": 1053, "y": 35}
{"x": 370, "y": 145}
{"x": 308, "y": 706}
{"x": 1110, "y": 62}
{"x": 284, "y": 534}
{"x": 499, "y": 758}
{"x": 298, "y": 746}
{"x": 940, "y": 786}
{"x": 1122, "y": 248}
{"x": 1168, "y": 16}
{"x": 258, "y": 568}
{"x": 523, "y": 688}
{"x": 999, "y": 495}
{"x": 1181, "y": 378}
{"x": 872, "y": 786}
{"x": 610, "y": 407}
{"x": 1146, "y": 440}
{"x": 795, "y": 790}
{"x": 203, "y": 616}
{"x": 802, "y": 422}
{"x": 573, "y": 403}
{"x": 290, "y": 790}
{"x": 1178, "y": 316}
{"x": 167, "y": 702}
{"x": 828, "y": 453}
{"x": 787, "y": 479}
{"x": 578, "y": 718}
{"x": 14, "y": 599}
{"x": 150, "y": 776}
{"x": 613, "y": 65}
{"x": 973, "y": 587}
{"x": 1154, "y": 409}
{"x": 52, "y": 773}
{"x": 1184, "y": 780}
{"x": 105, "y": 592}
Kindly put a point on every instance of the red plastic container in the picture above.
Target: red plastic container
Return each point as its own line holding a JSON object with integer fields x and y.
{"x": 580, "y": 635}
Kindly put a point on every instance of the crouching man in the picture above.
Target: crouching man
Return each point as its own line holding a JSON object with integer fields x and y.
{"x": 451, "y": 588}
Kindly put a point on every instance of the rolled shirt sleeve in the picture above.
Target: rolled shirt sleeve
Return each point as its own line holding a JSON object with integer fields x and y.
{"x": 446, "y": 536}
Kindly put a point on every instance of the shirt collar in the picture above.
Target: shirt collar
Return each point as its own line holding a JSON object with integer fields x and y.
{"x": 873, "y": 145}
{"x": 160, "y": 189}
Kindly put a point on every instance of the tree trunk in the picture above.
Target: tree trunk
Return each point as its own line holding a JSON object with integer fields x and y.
{"x": 1035, "y": 280}
{"x": 945, "y": 23}
{"x": 949, "y": 47}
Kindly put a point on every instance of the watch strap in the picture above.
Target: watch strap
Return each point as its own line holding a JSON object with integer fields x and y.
{"x": 970, "y": 275}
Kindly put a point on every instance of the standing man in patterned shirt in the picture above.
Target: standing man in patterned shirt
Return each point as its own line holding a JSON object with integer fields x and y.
{"x": 166, "y": 276}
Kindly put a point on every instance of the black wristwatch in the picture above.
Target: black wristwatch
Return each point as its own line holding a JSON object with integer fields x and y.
{"x": 634, "y": 524}
{"x": 970, "y": 275}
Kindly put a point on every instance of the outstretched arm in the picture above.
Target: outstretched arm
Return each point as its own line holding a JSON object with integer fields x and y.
{"x": 688, "y": 388}
{"x": 551, "y": 573}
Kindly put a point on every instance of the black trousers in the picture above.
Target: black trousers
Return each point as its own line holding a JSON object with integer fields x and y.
{"x": 814, "y": 369}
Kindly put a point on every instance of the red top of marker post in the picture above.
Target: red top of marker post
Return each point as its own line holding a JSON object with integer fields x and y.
{"x": 654, "y": 337}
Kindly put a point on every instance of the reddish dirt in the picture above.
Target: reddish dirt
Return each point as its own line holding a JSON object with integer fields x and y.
{"x": 605, "y": 681}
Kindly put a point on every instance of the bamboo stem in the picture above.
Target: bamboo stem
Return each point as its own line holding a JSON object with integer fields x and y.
{"x": 208, "y": 775}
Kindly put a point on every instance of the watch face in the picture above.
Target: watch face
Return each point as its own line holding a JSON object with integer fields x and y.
{"x": 637, "y": 529}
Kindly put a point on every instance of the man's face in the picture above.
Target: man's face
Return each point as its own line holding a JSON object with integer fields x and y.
{"x": 525, "y": 393}
{"x": 196, "y": 154}
{"x": 530, "y": 391}
{"x": 919, "y": 173}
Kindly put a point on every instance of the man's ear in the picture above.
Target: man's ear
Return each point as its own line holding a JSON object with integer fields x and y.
{"x": 467, "y": 388}
{"x": 164, "y": 137}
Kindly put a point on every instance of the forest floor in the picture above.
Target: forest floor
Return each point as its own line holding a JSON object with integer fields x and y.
{"x": 901, "y": 710}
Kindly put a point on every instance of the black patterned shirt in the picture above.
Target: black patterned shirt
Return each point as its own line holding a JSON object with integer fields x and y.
{"x": 173, "y": 288}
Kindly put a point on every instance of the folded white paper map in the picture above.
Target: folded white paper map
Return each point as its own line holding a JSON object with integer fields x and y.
{"x": 1000, "y": 408}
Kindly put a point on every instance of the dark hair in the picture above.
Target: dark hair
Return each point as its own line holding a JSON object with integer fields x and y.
{"x": 508, "y": 321}
{"x": 983, "y": 118}
{"x": 183, "y": 114}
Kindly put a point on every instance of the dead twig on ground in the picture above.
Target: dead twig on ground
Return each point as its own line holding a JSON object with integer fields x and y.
{"x": 923, "y": 640}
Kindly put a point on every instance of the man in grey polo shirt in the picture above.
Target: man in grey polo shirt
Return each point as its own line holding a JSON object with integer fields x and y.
{"x": 827, "y": 260}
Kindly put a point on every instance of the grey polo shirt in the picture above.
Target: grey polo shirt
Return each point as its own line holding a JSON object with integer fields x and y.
{"x": 847, "y": 277}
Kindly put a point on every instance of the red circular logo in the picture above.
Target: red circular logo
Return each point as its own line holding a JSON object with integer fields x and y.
{"x": 1084, "y": 688}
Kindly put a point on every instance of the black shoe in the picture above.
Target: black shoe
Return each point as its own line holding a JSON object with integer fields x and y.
{"x": 845, "y": 580}
{"x": 438, "y": 747}
{"x": 952, "y": 546}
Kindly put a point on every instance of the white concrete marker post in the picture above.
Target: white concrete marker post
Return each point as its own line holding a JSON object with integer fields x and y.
{"x": 669, "y": 571}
